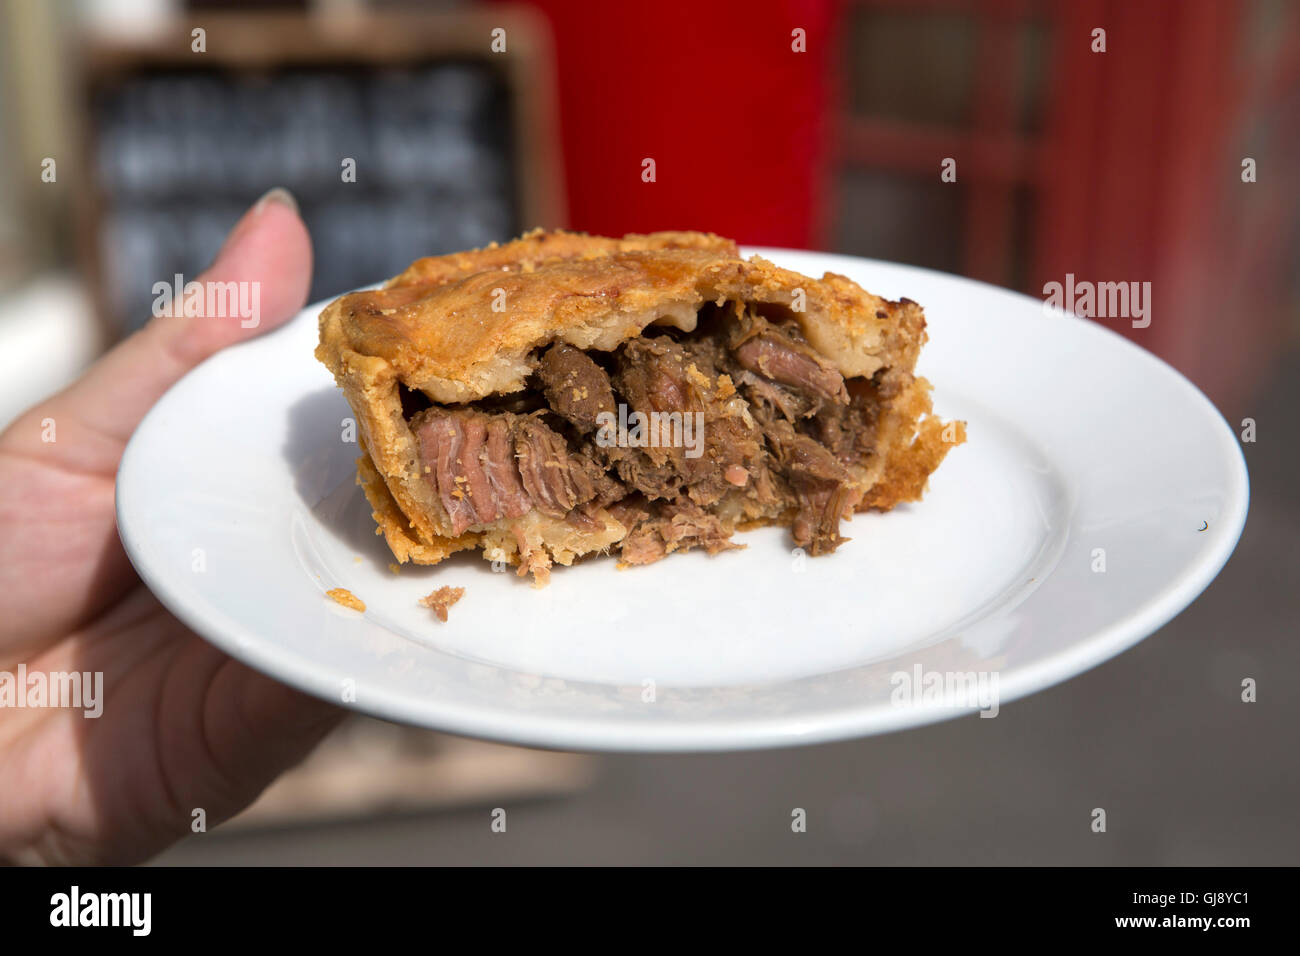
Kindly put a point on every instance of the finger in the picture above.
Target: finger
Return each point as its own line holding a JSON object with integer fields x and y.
{"x": 255, "y": 728}
{"x": 270, "y": 250}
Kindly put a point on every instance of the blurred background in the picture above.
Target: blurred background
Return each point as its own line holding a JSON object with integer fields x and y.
{"x": 133, "y": 133}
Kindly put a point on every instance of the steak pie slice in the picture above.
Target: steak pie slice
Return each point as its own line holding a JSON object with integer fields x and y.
{"x": 563, "y": 395}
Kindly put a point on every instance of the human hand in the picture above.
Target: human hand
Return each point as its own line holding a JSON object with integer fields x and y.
{"x": 183, "y": 726}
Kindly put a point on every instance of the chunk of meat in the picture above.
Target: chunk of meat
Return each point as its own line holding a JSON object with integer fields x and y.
{"x": 661, "y": 377}
{"x": 776, "y": 356}
{"x": 472, "y": 479}
{"x": 657, "y": 480}
{"x": 441, "y": 437}
{"x": 676, "y": 526}
{"x": 822, "y": 490}
{"x": 652, "y": 376}
{"x": 485, "y": 468}
{"x": 793, "y": 405}
{"x": 576, "y": 387}
{"x": 498, "y": 460}
{"x": 822, "y": 505}
{"x": 556, "y": 481}
{"x": 850, "y": 431}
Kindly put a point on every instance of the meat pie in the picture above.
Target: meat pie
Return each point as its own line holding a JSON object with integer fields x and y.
{"x": 516, "y": 399}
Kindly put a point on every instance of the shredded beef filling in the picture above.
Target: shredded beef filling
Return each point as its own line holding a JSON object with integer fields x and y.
{"x": 742, "y": 419}
{"x": 485, "y": 468}
{"x": 683, "y": 384}
{"x": 659, "y": 531}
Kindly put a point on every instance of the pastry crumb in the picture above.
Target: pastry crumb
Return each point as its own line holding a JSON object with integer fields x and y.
{"x": 442, "y": 599}
{"x": 346, "y": 598}
{"x": 395, "y": 568}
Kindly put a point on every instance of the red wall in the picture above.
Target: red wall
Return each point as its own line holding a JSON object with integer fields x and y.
{"x": 736, "y": 122}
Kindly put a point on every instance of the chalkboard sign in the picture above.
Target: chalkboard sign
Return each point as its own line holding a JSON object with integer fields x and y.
{"x": 391, "y": 157}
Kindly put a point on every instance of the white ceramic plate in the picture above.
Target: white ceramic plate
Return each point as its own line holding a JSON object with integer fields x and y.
{"x": 237, "y": 504}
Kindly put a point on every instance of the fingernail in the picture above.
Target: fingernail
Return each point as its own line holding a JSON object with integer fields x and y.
{"x": 277, "y": 195}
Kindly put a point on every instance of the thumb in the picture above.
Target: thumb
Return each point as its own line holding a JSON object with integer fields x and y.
{"x": 268, "y": 256}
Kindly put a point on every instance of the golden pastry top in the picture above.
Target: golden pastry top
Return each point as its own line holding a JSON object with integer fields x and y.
{"x": 464, "y": 326}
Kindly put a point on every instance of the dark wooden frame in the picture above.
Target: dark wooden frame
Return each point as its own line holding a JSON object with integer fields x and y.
{"x": 259, "y": 42}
